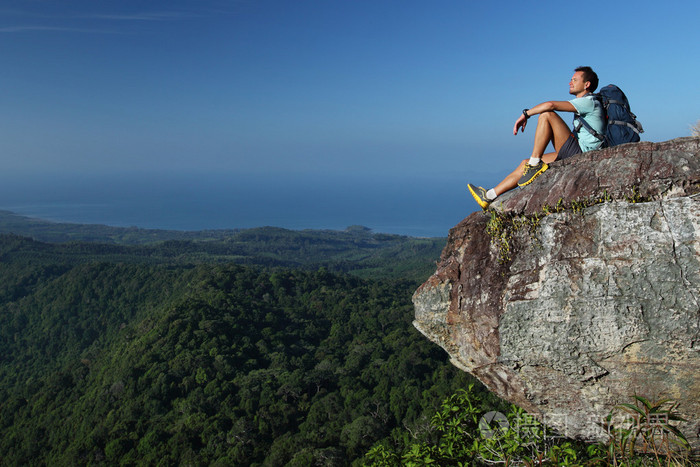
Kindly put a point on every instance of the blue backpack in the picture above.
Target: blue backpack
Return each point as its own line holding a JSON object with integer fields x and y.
{"x": 621, "y": 125}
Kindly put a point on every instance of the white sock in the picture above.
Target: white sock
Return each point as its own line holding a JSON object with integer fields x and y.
{"x": 534, "y": 161}
{"x": 491, "y": 195}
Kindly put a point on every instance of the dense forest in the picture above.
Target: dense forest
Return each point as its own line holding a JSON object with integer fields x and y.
{"x": 122, "y": 354}
{"x": 261, "y": 347}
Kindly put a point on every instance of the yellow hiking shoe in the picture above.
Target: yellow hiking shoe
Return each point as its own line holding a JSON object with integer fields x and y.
{"x": 530, "y": 172}
{"x": 479, "y": 195}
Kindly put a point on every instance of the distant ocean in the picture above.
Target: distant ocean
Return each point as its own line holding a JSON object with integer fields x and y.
{"x": 413, "y": 207}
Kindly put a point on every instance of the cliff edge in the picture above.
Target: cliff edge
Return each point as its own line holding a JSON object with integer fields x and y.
{"x": 580, "y": 290}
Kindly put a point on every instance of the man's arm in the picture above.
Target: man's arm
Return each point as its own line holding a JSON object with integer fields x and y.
{"x": 549, "y": 106}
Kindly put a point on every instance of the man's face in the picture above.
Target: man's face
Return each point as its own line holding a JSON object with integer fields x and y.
{"x": 577, "y": 85}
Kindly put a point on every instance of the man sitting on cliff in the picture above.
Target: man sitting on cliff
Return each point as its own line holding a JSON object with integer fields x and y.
{"x": 551, "y": 128}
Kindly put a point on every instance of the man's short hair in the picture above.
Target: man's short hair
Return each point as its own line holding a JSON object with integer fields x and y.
{"x": 590, "y": 76}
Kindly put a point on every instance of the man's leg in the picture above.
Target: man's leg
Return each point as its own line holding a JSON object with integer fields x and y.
{"x": 550, "y": 128}
{"x": 511, "y": 180}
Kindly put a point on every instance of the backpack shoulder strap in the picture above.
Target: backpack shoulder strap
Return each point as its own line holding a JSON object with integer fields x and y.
{"x": 580, "y": 122}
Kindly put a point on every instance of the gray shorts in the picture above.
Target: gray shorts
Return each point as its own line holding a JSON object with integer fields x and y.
{"x": 569, "y": 148}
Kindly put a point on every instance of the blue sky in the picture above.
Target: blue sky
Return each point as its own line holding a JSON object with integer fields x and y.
{"x": 404, "y": 89}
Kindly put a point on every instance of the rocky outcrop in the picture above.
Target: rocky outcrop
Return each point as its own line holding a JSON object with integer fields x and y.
{"x": 581, "y": 289}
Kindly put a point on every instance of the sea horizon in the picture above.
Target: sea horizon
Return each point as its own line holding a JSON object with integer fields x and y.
{"x": 193, "y": 202}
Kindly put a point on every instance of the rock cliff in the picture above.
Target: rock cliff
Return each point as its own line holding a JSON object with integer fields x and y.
{"x": 580, "y": 290}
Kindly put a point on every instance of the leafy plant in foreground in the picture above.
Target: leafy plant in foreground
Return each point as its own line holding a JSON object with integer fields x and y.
{"x": 644, "y": 430}
{"x": 467, "y": 433}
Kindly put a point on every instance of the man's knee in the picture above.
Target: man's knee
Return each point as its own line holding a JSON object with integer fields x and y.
{"x": 546, "y": 116}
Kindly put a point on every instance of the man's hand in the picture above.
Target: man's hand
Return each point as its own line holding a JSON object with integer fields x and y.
{"x": 520, "y": 124}
{"x": 549, "y": 106}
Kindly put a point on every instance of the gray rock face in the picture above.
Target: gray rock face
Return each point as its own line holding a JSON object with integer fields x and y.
{"x": 594, "y": 304}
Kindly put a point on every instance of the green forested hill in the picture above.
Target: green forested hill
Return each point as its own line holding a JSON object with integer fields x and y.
{"x": 59, "y": 232}
{"x": 356, "y": 250}
{"x": 113, "y": 354}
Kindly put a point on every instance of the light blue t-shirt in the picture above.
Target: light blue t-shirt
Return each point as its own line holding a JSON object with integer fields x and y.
{"x": 592, "y": 112}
